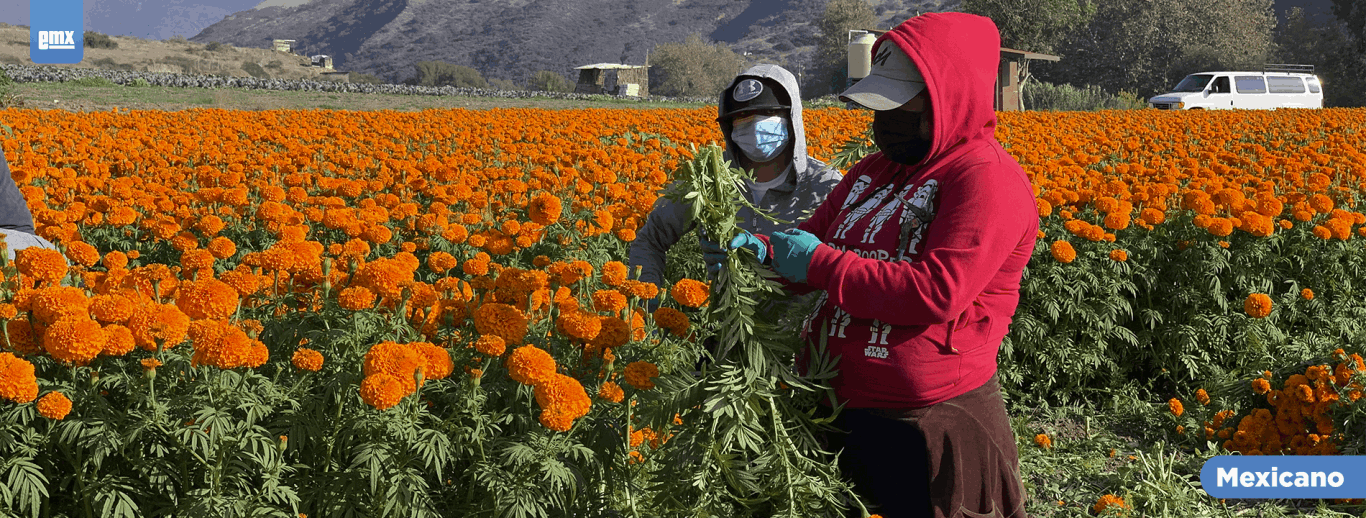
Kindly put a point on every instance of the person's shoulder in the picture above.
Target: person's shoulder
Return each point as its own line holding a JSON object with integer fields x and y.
{"x": 821, "y": 174}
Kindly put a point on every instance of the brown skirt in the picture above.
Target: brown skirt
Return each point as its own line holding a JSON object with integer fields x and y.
{"x": 949, "y": 460}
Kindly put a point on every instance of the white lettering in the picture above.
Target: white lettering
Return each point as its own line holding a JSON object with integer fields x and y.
{"x": 1317, "y": 479}
{"x": 1331, "y": 479}
{"x": 1284, "y": 475}
{"x": 42, "y": 40}
{"x": 1301, "y": 479}
{"x": 1229, "y": 477}
{"x": 1247, "y": 479}
{"x": 1261, "y": 479}
{"x": 56, "y": 40}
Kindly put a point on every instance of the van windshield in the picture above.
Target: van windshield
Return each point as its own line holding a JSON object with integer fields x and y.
{"x": 1193, "y": 83}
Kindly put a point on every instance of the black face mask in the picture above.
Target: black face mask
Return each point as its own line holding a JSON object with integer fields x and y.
{"x": 897, "y": 134}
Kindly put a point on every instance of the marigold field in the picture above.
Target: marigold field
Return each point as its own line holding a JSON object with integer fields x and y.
{"x": 303, "y": 313}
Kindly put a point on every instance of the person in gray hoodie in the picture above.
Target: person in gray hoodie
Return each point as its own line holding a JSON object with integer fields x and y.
{"x": 760, "y": 115}
{"x": 16, "y": 222}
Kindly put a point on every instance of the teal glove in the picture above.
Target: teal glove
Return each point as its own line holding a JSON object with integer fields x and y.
{"x": 792, "y": 252}
{"x": 754, "y": 244}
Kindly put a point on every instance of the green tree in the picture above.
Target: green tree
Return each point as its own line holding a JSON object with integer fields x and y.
{"x": 1146, "y": 46}
{"x": 547, "y": 81}
{"x": 441, "y": 73}
{"x": 1353, "y": 15}
{"x": 694, "y": 68}
{"x": 832, "y": 46}
{"x": 1329, "y": 48}
{"x": 504, "y": 84}
{"x": 1034, "y": 25}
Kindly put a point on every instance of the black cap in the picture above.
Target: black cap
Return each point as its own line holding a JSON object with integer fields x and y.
{"x": 753, "y": 94}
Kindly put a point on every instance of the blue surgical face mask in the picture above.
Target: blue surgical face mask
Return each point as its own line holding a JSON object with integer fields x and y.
{"x": 760, "y": 137}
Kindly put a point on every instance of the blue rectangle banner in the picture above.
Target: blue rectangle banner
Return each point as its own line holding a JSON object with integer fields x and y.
{"x": 56, "y": 31}
{"x": 1285, "y": 476}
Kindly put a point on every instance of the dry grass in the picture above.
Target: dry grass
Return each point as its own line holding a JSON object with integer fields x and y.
{"x": 176, "y": 56}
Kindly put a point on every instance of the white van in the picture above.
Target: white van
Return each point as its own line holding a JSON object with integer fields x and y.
{"x": 1278, "y": 86}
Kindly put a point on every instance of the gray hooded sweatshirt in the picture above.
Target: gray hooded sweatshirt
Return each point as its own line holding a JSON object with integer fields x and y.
{"x": 807, "y": 185}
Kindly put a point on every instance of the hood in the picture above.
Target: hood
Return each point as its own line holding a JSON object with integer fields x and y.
{"x": 959, "y": 55}
{"x": 789, "y": 84}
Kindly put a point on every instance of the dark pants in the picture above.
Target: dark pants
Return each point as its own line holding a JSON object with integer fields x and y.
{"x": 949, "y": 460}
{"x": 14, "y": 213}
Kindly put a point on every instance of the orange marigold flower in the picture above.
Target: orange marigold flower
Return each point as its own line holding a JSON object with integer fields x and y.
{"x": 114, "y": 260}
{"x": 119, "y": 340}
{"x": 440, "y": 262}
{"x": 54, "y": 405}
{"x": 196, "y": 259}
{"x": 611, "y": 392}
{"x": 1220, "y": 227}
{"x": 398, "y": 360}
{"x": 152, "y": 323}
{"x": 1174, "y": 405}
{"x": 111, "y": 308}
{"x": 1063, "y": 252}
{"x": 1307, "y": 293}
{"x": 74, "y": 339}
{"x": 490, "y": 345}
{"x": 690, "y": 293}
{"x": 1202, "y": 396}
{"x": 610, "y": 301}
{"x": 383, "y": 391}
{"x": 307, "y": 359}
{"x": 641, "y": 289}
{"x": 502, "y": 320}
{"x": 207, "y": 298}
{"x": 1108, "y": 502}
{"x": 562, "y": 400}
{"x": 437, "y": 360}
{"x": 672, "y": 319}
{"x": 82, "y": 253}
{"x": 1257, "y": 305}
{"x": 41, "y": 264}
{"x": 530, "y": 365}
{"x": 1043, "y": 441}
{"x": 614, "y": 273}
{"x": 242, "y": 280}
{"x": 544, "y": 209}
{"x": 222, "y": 247}
{"x": 579, "y": 324}
{"x": 615, "y": 333}
{"x": 641, "y": 375}
{"x": 8, "y": 311}
{"x": 1119, "y": 256}
{"x": 150, "y": 363}
{"x": 17, "y": 380}
{"x": 55, "y": 302}
{"x": 356, "y": 298}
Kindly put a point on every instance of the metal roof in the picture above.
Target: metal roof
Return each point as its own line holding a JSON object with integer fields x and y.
{"x": 607, "y": 66}
{"x": 1030, "y": 55}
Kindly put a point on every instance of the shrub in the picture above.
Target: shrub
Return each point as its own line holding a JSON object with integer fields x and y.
{"x": 441, "y": 73}
{"x": 547, "y": 81}
{"x": 276, "y": 65}
{"x": 1039, "y": 95}
{"x": 254, "y": 70}
{"x": 694, "y": 68}
{"x": 92, "y": 81}
{"x": 139, "y": 83}
{"x": 95, "y": 40}
{"x": 214, "y": 46}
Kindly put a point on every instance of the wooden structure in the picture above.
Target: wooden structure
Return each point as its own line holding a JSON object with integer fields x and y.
{"x": 322, "y": 60}
{"x": 1012, "y": 74}
{"x": 613, "y": 79}
{"x": 286, "y": 46}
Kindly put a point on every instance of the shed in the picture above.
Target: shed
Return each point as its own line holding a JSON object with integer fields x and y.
{"x": 321, "y": 60}
{"x": 1010, "y": 75}
{"x": 613, "y": 79}
{"x": 286, "y": 46}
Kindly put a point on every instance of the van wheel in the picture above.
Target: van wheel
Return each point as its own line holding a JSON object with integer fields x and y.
{"x": 1197, "y": 108}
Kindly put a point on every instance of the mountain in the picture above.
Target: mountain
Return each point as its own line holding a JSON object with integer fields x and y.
{"x": 512, "y": 39}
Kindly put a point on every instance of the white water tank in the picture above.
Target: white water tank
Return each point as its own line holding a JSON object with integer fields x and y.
{"x": 860, "y": 54}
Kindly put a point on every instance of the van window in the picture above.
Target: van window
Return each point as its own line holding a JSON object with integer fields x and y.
{"x": 1220, "y": 86}
{"x": 1285, "y": 85}
{"x": 1193, "y": 83}
{"x": 1250, "y": 84}
{"x": 1314, "y": 85}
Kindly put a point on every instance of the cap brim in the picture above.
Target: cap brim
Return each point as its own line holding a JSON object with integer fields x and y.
{"x": 748, "y": 109}
{"x": 881, "y": 94}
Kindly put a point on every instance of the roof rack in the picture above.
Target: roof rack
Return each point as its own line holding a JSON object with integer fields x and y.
{"x": 1289, "y": 69}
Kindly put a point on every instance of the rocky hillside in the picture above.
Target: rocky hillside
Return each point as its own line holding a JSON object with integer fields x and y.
{"x": 512, "y": 39}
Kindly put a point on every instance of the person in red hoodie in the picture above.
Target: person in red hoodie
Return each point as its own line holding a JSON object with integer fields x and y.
{"x": 918, "y": 253}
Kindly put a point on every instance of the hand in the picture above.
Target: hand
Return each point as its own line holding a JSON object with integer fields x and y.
{"x": 792, "y": 251}
{"x": 754, "y": 244}
{"x": 712, "y": 253}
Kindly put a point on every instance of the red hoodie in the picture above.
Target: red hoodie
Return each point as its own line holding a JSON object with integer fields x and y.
{"x": 916, "y": 327}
